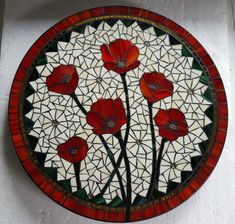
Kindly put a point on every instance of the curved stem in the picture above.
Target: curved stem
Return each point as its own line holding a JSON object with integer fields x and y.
{"x": 73, "y": 95}
{"x": 123, "y": 76}
{"x": 128, "y": 175}
{"x": 159, "y": 159}
{"x": 109, "y": 152}
{"x": 77, "y": 167}
{"x": 112, "y": 175}
{"x": 154, "y": 154}
{"x": 112, "y": 159}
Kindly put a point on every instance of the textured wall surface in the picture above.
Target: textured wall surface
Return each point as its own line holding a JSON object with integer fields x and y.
{"x": 210, "y": 21}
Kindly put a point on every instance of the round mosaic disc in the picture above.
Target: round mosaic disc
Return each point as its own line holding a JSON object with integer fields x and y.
{"x": 118, "y": 114}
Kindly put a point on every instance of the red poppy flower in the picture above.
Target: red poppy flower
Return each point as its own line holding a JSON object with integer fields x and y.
{"x": 63, "y": 80}
{"x": 106, "y": 116}
{"x": 120, "y": 56}
{"x": 171, "y": 123}
{"x": 154, "y": 86}
{"x": 73, "y": 150}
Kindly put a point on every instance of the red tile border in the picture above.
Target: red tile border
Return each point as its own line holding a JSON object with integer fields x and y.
{"x": 46, "y": 186}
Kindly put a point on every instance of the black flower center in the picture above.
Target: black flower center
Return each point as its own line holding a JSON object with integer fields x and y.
{"x": 66, "y": 78}
{"x": 121, "y": 63}
{"x": 90, "y": 196}
{"x": 72, "y": 151}
{"x": 172, "y": 126}
{"x": 55, "y": 123}
{"x": 147, "y": 43}
{"x": 138, "y": 141}
{"x": 110, "y": 123}
{"x": 190, "y": 91}
{"x": 173, "y": 165}
{"x": 153, "y": 86}
{"x": 99, "y": 80}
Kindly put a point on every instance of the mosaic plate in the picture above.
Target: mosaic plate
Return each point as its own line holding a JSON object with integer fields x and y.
{"x": 118, "y": 114}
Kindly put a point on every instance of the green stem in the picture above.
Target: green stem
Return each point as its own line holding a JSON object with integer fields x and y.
{"x": 159, "y": 159}
{"x": 112, "y": 159}
{"x": 73, "y": 95}
{"x": 77, "y": 167}
{"x": 128, "y": 175}
{"x": 112, "y": 175}
{"x": 123, "y": 76}
{"x": 109, "y": 152}
{"x": 154, "y": 154}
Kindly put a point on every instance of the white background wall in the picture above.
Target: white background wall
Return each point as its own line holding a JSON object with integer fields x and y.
{"x": 210, "y": 21}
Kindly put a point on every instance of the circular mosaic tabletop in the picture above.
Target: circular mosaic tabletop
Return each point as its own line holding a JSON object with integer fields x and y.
{"x": 118, "y": 114}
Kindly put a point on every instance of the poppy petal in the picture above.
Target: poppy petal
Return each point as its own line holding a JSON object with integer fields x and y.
{"x": 63, "y": 80}
{"x": 133, "y": 66}
{"x": 162, "y": 118}
{"x": 146, "y": 91}
{"x": 154, "y": 86}
{"x": 73, "y": 150}
{"x": 106, "y": 56}
{"x": 132, "y": 55}
{"x": 153, "y": 77}
{"x": 176, "y": 115}
{"x": 104, "y": 107}
{"x": 119, "y": 47}
{"x": 99, "y": 131}
{"x": 95, "y": 120}
{"x": 120, "y": 70}
{"x": 182, "y": 129}
{"x": 162, "y": 94}
{"x": 170, "y": 136}
{"x": 106, "y": 116}
{"x": 115, "y": 129}
{"x": 119, "y": 111}
{"x": 110, "y": 66}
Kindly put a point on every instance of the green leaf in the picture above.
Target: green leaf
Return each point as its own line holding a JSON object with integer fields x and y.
{"x": 111, "y": 22}
{"x": 95, "y": 24}
{"x": 210, "y": 112}
{"x": 65, "y": 37}
{"x": 28, "y": 124}
{"x": 80, "y": 29}
{"x": 203, "y": 146}
{"x": 143, "y": 25}
{"x": 40, "y": 158}
{"x": 52, "y": 172}
{"x": 116, "y": 202}
{"x": 33, "y": 141}
{"x": 139, "y": 200}
{"x": 196, "y": 161}
{"x": 98, "y": 200}
{"x": 207, "y": 95}
{"x": 204, "y": 79}
{"x": 159, "y": 32}
{"x": 34, "y": 75}
{"x": 41, "y": 61}
{"x": 128, "y": 22}
{"x": 186, "y": 52}
{"x": 173, "y": 41}
{"x": 82, "y": 194}
{"x": 208, "y": 130}
{"x": 65, "y": 184}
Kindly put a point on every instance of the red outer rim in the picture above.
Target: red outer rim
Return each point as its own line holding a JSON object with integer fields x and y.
{"x": 157, "y": 208}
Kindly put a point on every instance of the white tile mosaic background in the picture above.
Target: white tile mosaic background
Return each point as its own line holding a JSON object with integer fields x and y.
{"x": 209, "y": 21}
